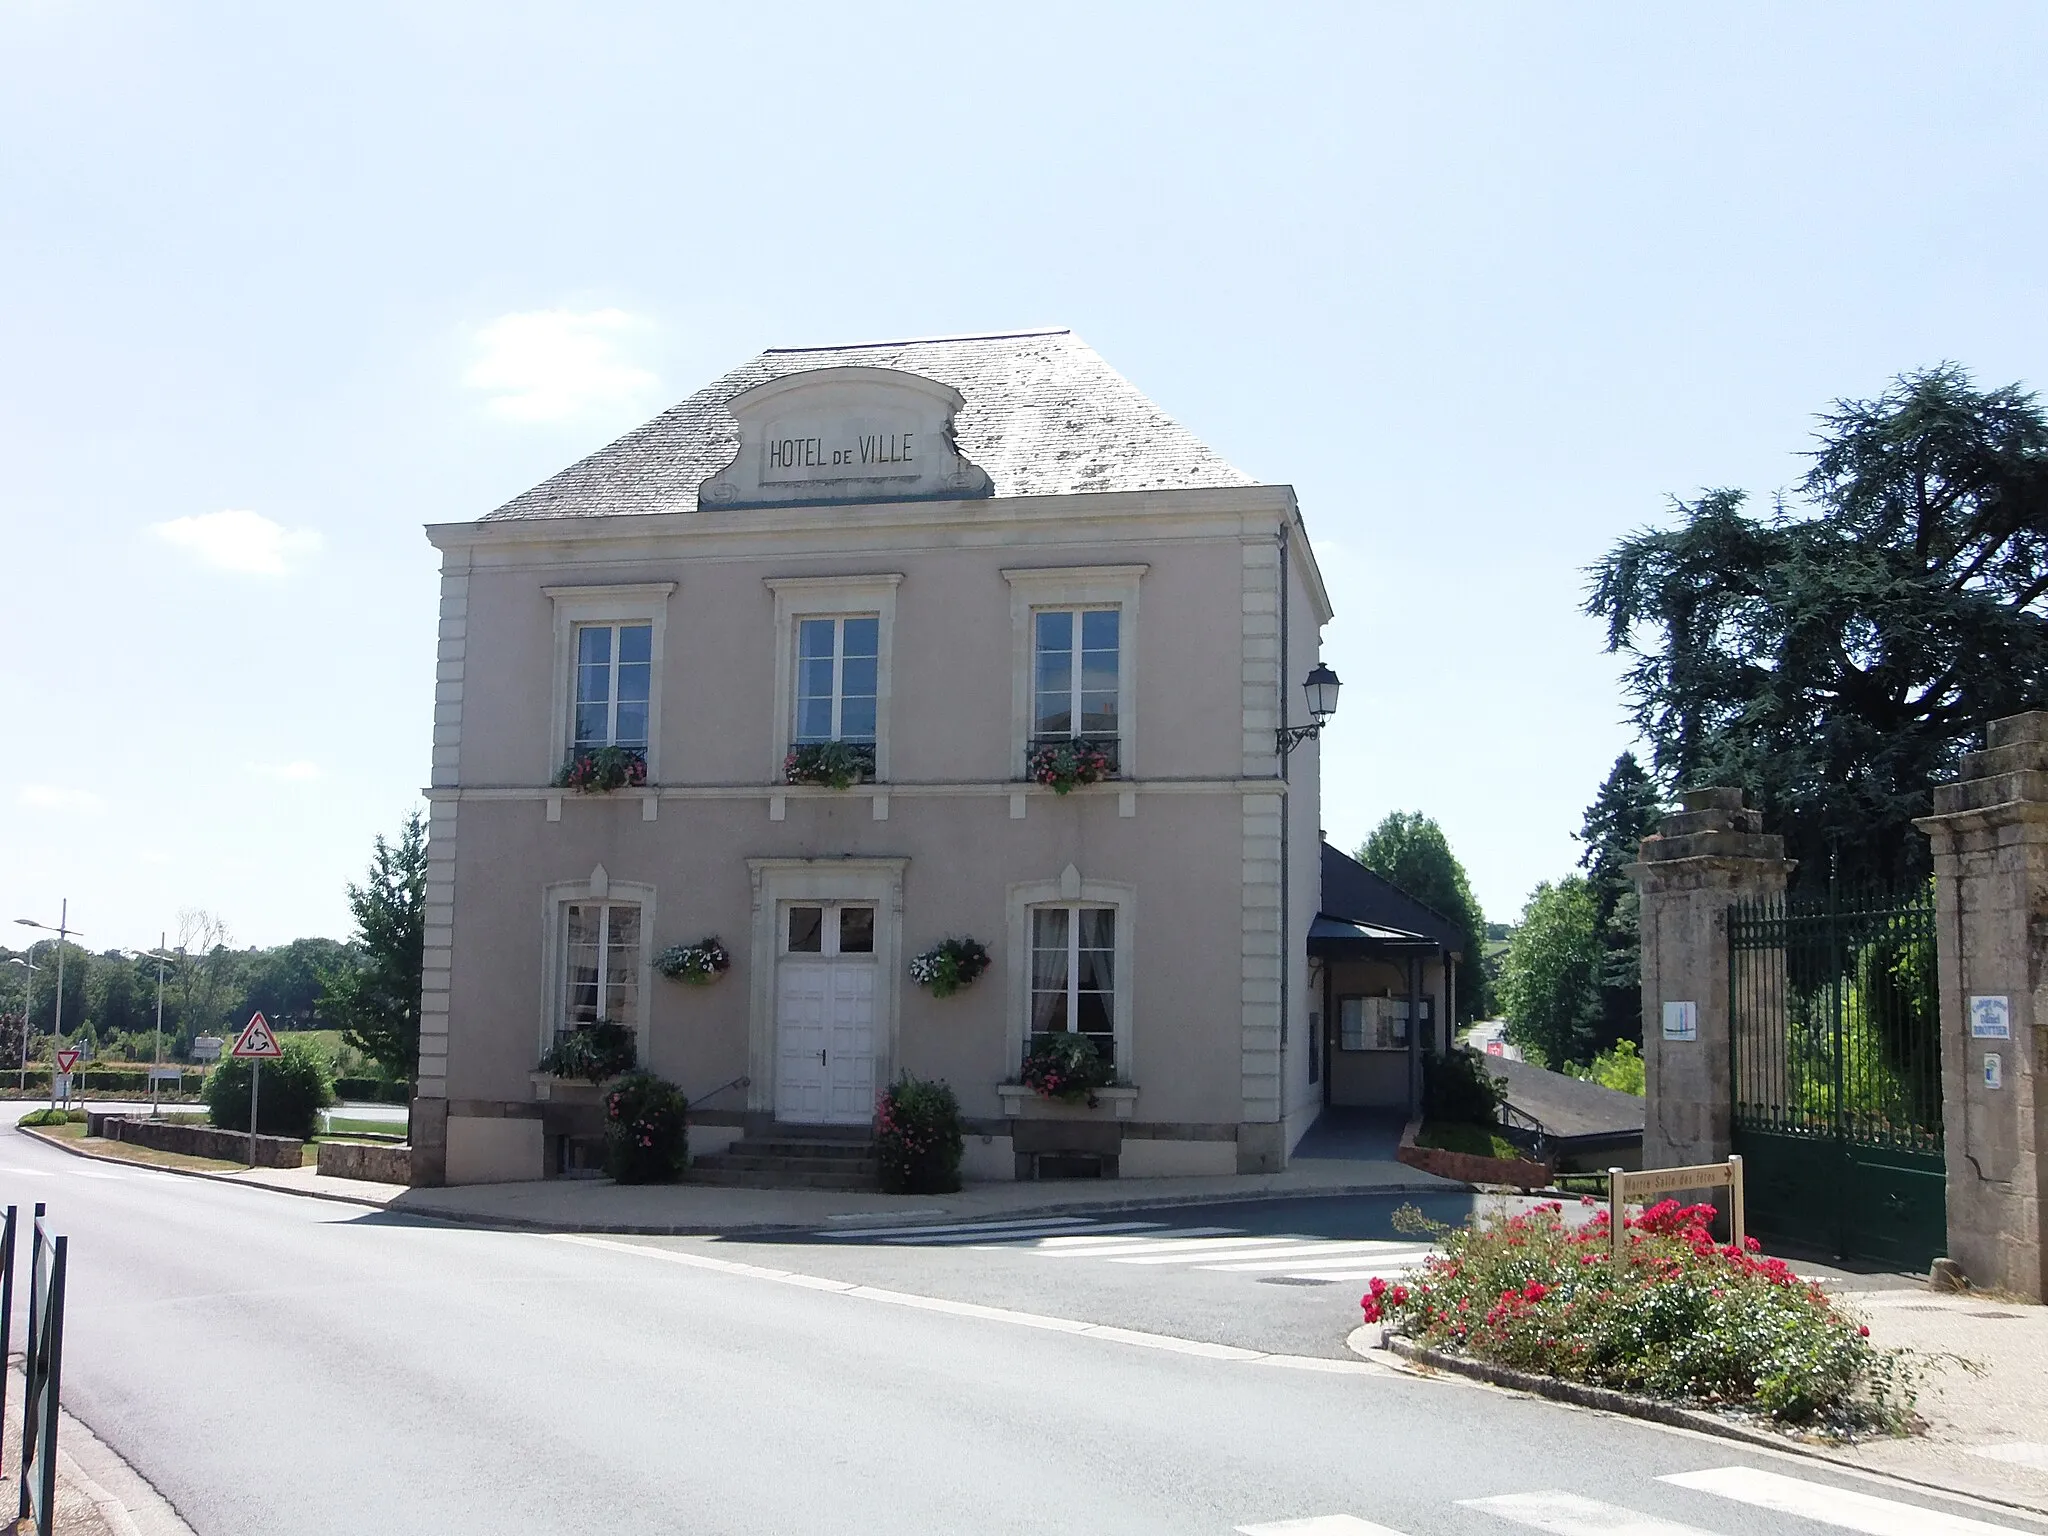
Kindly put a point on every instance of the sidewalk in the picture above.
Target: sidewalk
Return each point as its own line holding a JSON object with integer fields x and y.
{"x": 1988, "y": 1428}
{"x": 98, "y": 1494}
{"x": 578, "y": 1205}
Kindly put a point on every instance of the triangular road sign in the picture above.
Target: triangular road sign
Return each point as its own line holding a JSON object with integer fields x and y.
{"x": 256, "y": 1040}
{"x": 66, "y": 1060}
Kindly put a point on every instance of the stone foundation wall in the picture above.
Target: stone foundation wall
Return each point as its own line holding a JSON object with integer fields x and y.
{"x": 378, "y": 1163}
{"x": 198, "y": 1140}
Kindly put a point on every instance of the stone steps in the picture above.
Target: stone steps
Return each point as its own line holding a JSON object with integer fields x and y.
{"x": 790, "y": 1162}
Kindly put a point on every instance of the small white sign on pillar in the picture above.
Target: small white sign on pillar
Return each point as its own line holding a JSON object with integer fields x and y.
{"x": 1990, "y": 1018}
{"x": 1681, "y": 1021}
{"x": 1994, "y": 1070}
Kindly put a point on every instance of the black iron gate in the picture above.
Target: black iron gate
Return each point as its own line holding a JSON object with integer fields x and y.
{"x": 1835, "y": 1036}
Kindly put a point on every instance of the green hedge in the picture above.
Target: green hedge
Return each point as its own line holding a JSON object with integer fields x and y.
{"x": 372, "y": 1090}
{"x": 295, "y": 1088}
{"x": 122, "y": 1079}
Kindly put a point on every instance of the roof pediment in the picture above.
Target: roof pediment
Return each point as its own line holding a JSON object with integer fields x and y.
{"x": 833, "y": 436}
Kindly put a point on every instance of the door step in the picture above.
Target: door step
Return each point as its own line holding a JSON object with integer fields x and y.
{"x": 789, "y": 1162}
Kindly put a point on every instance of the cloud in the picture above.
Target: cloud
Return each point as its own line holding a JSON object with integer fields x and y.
{"x": 239, "y": 540}
{"x": 60, "y": 797}
{"x": 557, "y": 364}
{"x": 297, "y": 772}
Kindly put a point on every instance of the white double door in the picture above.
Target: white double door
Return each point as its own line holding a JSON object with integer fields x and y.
{"x": 825, "y": 1016}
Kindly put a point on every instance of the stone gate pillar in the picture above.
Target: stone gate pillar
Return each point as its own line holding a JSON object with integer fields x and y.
{"x": 1990, "y": 836}
{"x": 1701, "y": 860}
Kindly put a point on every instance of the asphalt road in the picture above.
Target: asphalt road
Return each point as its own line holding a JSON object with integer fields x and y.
{"x": 282, "y": 1365}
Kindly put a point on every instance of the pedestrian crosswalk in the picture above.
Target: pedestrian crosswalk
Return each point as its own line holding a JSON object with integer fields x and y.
{"x": 1297, "y": 1257}
{"x": 1745, "y": 1491}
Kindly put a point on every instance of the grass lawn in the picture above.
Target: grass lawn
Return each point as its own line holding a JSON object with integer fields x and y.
{"x": 74, "y": 1134}
{"x": 341, "y": 1125}
{"x": 1478, "y": 1140}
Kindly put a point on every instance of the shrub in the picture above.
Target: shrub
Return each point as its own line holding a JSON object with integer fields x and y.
{"x": 918, "y": 1137}
{"x": 295, "y": 1088}
{"x": 949, "y": 965}
{"x": 1065, "y": 1066}
{"x": 1681, "y": 1317}
{"x": 1457, "y": 1086}
{"x": 593, "y": 1052}
{"x": 646, "y": 1130}
{"x": 48, "y": 1117}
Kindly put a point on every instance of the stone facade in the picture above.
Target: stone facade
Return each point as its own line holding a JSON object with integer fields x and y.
{"x": 1703, "y": 859}
{"x": 1990, "y": 839}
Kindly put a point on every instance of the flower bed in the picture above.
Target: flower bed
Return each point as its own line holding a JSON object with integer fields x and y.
{"x": 602, "y": 769}
{"x": 646, "y": 1130}
{"x": 949, "y": 965}
{"x": 918, "y": 1137}
{"x": 1681, "y": 1318}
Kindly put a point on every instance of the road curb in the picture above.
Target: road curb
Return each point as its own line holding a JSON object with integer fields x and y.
{"x": 230, "y": 1179}
{"x": 1627, "y": 1405}
{"x": 942, "y": 1219}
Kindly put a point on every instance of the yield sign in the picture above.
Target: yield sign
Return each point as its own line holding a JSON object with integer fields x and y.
{"x": 66, "y": 1060}
{"x": 256, "y": 1040}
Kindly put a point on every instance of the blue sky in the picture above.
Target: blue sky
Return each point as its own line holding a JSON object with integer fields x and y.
{"x": 280, "y": 284}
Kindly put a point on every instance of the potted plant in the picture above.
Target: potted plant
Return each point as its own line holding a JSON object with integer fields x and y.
{"x": 833, "y": 764}
{"x": 599, "y": 769}
{"x": 949, "y": 965}
{"x": 1062, "y": 765}
{"x": 699, "y": 964}
{"x": 1067, "y": 1066}
{"x": 592, "y": 1052}
{"x": 918, "y": 1137}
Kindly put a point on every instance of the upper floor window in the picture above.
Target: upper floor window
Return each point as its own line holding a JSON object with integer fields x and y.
{"x": 838, "y": 677}
{"x": 614, "y": 684}
{"x": 1074, "y": 673}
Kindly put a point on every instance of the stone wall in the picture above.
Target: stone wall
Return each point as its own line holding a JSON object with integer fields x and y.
{"x": 197, "y": 1140}
{"x": 380, "y": 1163}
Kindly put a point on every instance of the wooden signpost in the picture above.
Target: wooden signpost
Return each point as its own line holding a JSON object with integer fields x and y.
{"x": 1622, "y": 1186}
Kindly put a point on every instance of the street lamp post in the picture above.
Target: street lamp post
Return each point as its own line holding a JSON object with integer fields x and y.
{"x": 63, "y": 930}
{"x": 162, "y": 959}
{"x": 28, "y": 1003}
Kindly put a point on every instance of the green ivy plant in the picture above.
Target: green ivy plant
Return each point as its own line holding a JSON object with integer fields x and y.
{"x": 593, "y": 1052}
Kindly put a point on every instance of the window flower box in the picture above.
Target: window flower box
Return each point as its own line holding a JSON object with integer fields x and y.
{"x": 1062, "y": 764}
{"x": 598, "y": 770}
{"x": 831, "y": 764}
{"x": 698, "y": 964}
{"x": 590, "y": 1053}
{"x": 1022, "y": 1102}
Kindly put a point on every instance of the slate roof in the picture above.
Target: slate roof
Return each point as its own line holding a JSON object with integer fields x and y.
{"x": 1353, "y": 893}
{"x": 1567, "y": 1106}
{"x": 1044, "y": 415}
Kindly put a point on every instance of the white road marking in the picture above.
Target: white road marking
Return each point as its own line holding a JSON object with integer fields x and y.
{"x": 1181, "y": 1242}
{"x": 1320, "y": 1525}
{"x": 1332, "y": 1253}
{"x": 2019, "y": 1453}
{"x": 26, "y": 1173}
{"x": 907, "y": 1229}
{"x": 1570, "y": 1514}
{"x": 1019, "y": 1238}
{"x": 1831, "y": 1506}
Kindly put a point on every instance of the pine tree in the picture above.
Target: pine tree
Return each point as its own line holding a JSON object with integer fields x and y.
{"x": 1626, "y": 811}
{"x": 376, "y": 1001}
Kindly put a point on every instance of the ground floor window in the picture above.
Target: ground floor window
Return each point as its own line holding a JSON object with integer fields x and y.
{"x": 1377, "y": 1023}
{"x": 1073, "y": 973}
{"x": 601, "y": 968}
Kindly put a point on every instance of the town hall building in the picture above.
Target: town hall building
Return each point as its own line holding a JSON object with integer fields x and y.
{"x": 883, "y": 645}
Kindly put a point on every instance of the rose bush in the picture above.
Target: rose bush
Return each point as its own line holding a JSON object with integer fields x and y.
{"x": 918, "y": 1137}
{"x": 646, "y": 1130}
{"x": 1679, "y": 1317}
